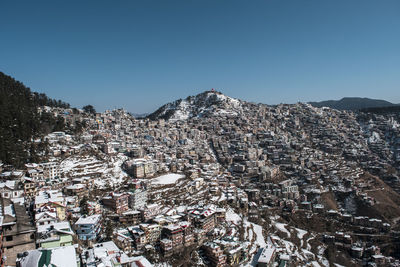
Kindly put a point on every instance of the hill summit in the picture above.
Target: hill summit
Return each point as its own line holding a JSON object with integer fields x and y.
{"x": 205, "y": 104}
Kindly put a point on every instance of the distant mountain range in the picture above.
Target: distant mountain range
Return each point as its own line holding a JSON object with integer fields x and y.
{"x": 353, "y": 103}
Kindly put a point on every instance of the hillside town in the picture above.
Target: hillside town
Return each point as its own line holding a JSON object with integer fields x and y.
{"x": 208, "y": 181}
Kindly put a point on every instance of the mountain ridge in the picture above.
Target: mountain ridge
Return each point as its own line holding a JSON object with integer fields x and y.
{"x": 211, "y": 103}
{"x": 353, "y": 103}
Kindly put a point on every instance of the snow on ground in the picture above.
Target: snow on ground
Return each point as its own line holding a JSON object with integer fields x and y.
{"x": 222, "y": 198}
{"x": 167, "y": 179}
{"x": 232, "y": 216}
{"x": 162, "y": 264}
{"x": 78, "y": 162}
{"x": 213, "y": 199}
{"x": 308, "y": 240}
{"x": 248, "y": 235}
{"x": 290, "y": 248}
{"x": 100, "y": 183}
{"x": 375, "y": 137}
{"x": 300, "y": 235}
{"x": 251, "y": 229}
{"x": 282, "y": 227}
{"x": 315, "y": 264}
{"x": 259, "y": 235}
{"x": 111, "y": 169}
{"x": 307, "y": 253}
{"x": 118, "y": 174}
{"x": 233, "y": 101}
{"x": 323, "y": 261}
{"x": 67, "y": 165}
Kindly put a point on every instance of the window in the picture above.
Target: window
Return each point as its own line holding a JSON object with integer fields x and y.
{"x": 9, "y": 238}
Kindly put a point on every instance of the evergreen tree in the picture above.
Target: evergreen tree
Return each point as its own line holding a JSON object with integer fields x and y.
{"x": 20, "y": 120}
{"x": 84, "y": 206}
{"x": 89, "y": 109}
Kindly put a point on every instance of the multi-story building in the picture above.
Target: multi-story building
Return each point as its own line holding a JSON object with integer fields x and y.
{"x": 117, "y": 202}
{"x": 34, "y": 171}
{"x": 79, "y": 190}
{"x": 214, "y": 254}
{"x": 174, "y": 233}
{"x": 54, "y": 235}
{"x": 29, "y": 187}
{"x": 152, "y": 232}
{"x": 149, "y": 169}
{"x": 166, "y": 246}
{"x": 139, "y": 237}
{"x": 130, "y": 217}
{"x": 87, "y": 228}
{"x": 188, "y": 236}
{"x": 45, "y": 218}
{"x": 108, "y": 254}
{"x": 10, "y": 189}
{"x": 51, "y": 170}
{"x": 203, "y": 219}
{"x": 138, "y": 199}
{"x": 18, "y": 232}
{"x": 140, "y": 168}
{"x": 150, "y": 211}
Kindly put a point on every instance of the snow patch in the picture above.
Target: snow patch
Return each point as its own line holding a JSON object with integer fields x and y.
{"x": 167, "y": 179}
{"x": 231, "y": 216}
{"x": 282, "y": 228}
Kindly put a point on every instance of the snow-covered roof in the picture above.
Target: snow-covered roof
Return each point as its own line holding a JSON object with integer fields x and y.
{"x": 140, "y": 262}
{"x": 167, "y": 179}
{"x": 59, "y": 256}
{"x": 59, "y": 226}
{"x": 76, "y": 186}
{"x": 89, "y": 219}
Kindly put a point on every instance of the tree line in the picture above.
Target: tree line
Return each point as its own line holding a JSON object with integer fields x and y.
{"x": 20, "y": 121}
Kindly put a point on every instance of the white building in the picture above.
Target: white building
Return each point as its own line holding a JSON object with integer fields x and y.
{"x": 138, "y": 199}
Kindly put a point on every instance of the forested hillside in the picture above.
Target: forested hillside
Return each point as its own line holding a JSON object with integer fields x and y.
{"x": 20, "y": 121}
{"x": 353, "y": 103}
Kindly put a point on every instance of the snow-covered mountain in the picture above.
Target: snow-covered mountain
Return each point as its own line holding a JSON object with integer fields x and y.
{"x": 206, "y": 104}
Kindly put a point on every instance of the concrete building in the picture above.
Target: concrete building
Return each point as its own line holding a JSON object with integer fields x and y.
{"x": 138, "y": 199}
{"x": 18, "y": 232}
{"x": 117, "y": 202}
{"x": 87, "y": 228}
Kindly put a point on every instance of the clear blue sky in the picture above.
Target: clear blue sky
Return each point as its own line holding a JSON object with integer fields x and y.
{"x": 141, "y": 54}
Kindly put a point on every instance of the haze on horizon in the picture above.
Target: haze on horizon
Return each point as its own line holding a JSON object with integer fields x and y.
{"x": 140, "y": 55}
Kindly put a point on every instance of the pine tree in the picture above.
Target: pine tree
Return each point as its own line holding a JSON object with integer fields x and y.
{"x": 84, "y": 206}
{"x": 20, "y": 120}
{"x": 89, "y": 109}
